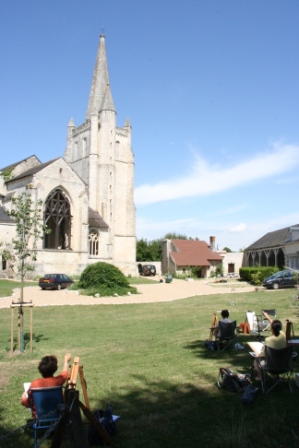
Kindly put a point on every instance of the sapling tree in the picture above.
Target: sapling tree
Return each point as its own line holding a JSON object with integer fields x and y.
{"x": 26, "y": 215}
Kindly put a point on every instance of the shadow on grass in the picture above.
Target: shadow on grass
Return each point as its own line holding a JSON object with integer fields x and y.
{"x": 162, "y": 414}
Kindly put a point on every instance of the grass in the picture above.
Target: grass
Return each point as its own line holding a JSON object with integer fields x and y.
{"x": 7, "y": 286}
{"x": 149, "y": 361}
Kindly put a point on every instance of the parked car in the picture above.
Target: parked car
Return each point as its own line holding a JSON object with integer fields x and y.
{"x": 55, "y": 281}
{"x": 146, "y": 269}
{"x": 281, "y": 279}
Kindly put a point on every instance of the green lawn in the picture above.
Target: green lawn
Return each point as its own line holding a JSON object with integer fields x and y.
{"x": 149, "y": 361}
{"x": 7, "y": 286}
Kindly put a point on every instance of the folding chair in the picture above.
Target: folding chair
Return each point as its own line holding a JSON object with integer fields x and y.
{"x": 276, "y": 365}
{"x": 264, "y": 324}
{"x": 46, "y": 400}
{"x": 227, "y": 335}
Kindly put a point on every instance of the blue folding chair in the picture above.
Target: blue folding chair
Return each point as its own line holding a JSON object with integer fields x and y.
{"x": 46, "y": 400}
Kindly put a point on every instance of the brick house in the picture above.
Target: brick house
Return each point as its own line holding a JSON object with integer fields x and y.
{"x": 178, "y": 256}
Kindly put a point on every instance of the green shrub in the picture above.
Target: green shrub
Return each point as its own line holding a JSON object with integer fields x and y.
{"x": 263, "y": 271}
{"x": 102, "y": 274}
{"x": 257, "y": 278}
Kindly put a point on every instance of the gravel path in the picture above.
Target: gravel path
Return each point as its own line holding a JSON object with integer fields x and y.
{"x": 160, "y": 292}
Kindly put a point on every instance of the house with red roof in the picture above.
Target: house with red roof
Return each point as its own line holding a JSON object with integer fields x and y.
{"x": 179, "y": 256}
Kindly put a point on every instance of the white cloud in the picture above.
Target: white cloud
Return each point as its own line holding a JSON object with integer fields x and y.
{"x": 239, "y": 227}
{"x": 205, "y": 179}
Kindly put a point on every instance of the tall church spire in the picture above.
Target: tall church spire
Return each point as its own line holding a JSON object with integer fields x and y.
{"x": 100, "y": 97}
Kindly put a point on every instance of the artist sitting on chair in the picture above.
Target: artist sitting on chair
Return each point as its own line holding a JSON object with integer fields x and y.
{"x": 277, "y": 341}
{"x": 225, "y": 319}
{"x": 47, "y": 367}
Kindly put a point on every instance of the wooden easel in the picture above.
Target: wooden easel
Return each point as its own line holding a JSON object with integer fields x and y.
{"x": 213, "y": 325}
{"x": 75, "y": 405}
{"x": 72, "y": 380}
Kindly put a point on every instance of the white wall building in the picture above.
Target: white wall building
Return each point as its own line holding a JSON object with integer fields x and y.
{"x": 88, "y": 196}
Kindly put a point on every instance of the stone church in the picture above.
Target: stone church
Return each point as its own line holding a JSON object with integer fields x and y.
{"x": 87, "y": 195}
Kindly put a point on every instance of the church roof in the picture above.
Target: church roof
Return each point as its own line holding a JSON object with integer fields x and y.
{"x": 273, "y": 239}
{"x": 100, "y": 97}
{"x": 193, "y": 253}
{"x": 32, "y": 171}
{"x": 13, "y": 165}
{"x": 95, "y": 219}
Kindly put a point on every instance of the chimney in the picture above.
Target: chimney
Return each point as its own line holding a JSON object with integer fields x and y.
{"x": 212, "y": 243}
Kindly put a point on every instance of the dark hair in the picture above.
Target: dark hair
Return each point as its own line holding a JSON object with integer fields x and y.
{"x": 224, "y": 313}
{"x": 48, "y": 366}
{"x": 276, "y": 326}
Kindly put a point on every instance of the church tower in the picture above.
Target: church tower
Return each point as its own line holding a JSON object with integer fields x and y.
{"x": 100, "y": 153}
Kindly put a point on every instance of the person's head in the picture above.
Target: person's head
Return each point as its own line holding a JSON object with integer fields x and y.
{"x": 225, "y": 314}
{"x": 48, "y": 366}
{"x": 276, "y": 327}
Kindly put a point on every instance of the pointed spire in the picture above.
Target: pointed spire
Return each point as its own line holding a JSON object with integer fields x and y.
{"x": 100, "y": 95}
{"x": 107, "y": 100}
{"x": 127, "y": 123}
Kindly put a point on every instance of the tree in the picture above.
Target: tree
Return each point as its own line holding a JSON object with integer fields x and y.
{"x": 149, "y": 250}
{"x": 26, "y": 215}
{"x": 227, "y": 249}
{"x": 176, "y": 236}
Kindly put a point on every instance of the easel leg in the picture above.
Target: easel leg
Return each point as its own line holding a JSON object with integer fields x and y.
{"x": 31, "y": 331}
{"x": 12, "y": 332}
{"x": 72, "y": 400}
{"x": 97, "y": 425}
{"x": 83, "y": 385}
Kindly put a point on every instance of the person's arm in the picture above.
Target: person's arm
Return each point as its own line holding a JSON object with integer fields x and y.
{"x": 67, "y": 358}
{"x": 267, "y": 317}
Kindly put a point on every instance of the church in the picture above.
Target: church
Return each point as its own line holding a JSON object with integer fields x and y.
{"x": 87, "y": 195}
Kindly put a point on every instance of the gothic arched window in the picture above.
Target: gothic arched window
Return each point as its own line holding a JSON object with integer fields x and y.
{"x": 93, "y": 238}
{"x": 57, "y": 217}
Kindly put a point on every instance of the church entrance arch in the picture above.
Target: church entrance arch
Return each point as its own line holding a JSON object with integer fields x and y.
{"x": 57, "y": 217}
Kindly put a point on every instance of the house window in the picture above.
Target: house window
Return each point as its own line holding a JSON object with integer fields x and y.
{"x": 93, "y": 238}
{"x": 57, "y": 217}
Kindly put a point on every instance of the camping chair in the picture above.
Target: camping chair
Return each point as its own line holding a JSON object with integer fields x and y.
{"x": 278, "y": 366}
{"x": 227, "y": 335}
{"x": 263, "y": 323}
{"x": 46, "y": 400}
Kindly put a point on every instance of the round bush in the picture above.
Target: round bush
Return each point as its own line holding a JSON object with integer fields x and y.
{"x": 102, "y": 274}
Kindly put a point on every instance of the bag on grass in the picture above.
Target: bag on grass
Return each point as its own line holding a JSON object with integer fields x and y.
{"x": 211, "y": 345}
{"x": 231, "y": 381}
{"x": 249, "y": 394}
{"x": 104, "y": 417}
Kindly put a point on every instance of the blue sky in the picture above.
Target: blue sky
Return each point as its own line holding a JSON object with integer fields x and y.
{"x": 211, "y": 88}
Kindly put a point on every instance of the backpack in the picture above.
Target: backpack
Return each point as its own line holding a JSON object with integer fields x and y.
{"x": 231, "y": 381}
{"x": 106, "y": 419}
